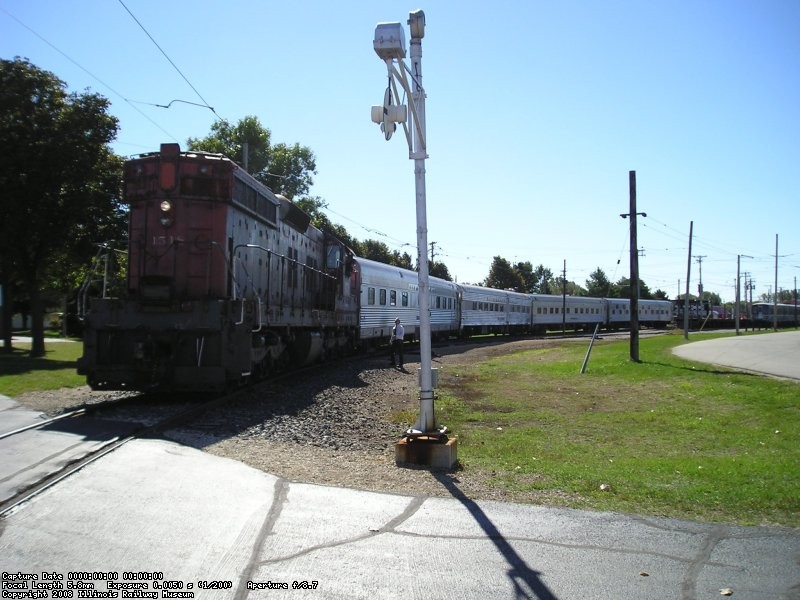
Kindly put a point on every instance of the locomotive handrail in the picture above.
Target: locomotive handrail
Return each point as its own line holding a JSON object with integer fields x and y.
{"x": 241, "y": 317}
{"x": 260, "y": 322}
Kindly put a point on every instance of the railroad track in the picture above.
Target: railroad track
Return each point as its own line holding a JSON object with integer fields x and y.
{"x": 137, "y": 430}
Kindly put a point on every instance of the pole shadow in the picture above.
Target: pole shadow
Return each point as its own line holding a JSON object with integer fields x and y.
{"x": 526, "y": 581}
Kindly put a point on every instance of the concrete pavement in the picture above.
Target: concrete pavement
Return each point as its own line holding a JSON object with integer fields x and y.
{"x": 775, "y": 354}
{"x": 156, "y": 509}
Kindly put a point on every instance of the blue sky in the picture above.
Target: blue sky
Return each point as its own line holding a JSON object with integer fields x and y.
{"x": 536, "y": 112}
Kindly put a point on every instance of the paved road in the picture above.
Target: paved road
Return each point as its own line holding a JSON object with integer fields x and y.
{"x": 775, "y": 354}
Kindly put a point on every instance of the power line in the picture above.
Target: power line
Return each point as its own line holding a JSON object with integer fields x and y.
{"x": 85, "y": 70}
{"x": 169, "y": 59}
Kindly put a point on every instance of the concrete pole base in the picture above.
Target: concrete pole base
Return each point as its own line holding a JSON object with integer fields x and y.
{"x": 427, "y": 451}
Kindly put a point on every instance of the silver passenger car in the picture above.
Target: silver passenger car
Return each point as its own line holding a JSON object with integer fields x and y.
{"x": 487, "y": 310}
{"x": 388, "y": 292}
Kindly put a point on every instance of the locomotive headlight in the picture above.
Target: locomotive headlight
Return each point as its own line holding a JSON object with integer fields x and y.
{"x": 166, "y": 213}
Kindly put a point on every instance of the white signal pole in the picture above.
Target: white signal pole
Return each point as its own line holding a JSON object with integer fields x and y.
{"x": 389, "y": 45}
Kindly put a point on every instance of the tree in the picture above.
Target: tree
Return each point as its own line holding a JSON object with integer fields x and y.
{"x": 285, "y": 169}
{"x": 599, "y": 286}
{"x": 289, "y": 170}
{"x": 440, "y": 270}
{"x": 525, "y": 270}
{"x": 624, "y": 289}
{"x": 502, "y": 276}
{"x": 543, "y": 281}
{"x": 403, "y": 260}
{"x": 375, "y": 250}
{"x": 59, "y": 178}
{"x": 713, "y": 298}
{"x": 229, "y": 140}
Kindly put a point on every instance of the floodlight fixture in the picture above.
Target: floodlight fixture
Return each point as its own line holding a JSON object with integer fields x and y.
{"x": 416, "y": 24}
{"x": 390, "y": 41}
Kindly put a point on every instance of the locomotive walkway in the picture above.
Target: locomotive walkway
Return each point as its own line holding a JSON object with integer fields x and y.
{"x": 155, "y": 508}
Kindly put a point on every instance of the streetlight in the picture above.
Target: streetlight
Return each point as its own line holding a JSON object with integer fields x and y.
{"x": 389, "y": 45}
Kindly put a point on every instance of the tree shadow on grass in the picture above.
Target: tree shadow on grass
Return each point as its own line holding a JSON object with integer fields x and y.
{"x": 19, "y": 361}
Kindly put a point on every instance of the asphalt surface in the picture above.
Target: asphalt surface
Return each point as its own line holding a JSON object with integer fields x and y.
{"x": 776, "y": 354}
{"x": 156, "y": 515}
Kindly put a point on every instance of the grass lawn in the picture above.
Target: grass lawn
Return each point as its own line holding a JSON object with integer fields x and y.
{"x": 663, "y": 437}
{"x": 19, "y": 373}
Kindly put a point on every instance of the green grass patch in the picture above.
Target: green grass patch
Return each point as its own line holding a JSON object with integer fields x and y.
{"x": 667, "y": 436}
{"x": 19, "y": 373}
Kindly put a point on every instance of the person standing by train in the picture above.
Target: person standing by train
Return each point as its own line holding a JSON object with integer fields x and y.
{"x": 396, "y": 341}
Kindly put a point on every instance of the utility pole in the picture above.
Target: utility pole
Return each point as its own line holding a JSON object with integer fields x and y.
{"x": 738, "y": 295}
{"x": 688, "y": 277}
{"x": 433, "y": 246}
{"x": 634, "y": 260}
{"x": 775, "y": 301}
{"x": 700, "y": 284}
{"x": 564, "y": 298}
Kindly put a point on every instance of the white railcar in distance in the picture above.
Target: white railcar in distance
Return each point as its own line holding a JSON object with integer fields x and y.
{"x": 655, "y": 313}
{"x": 487, "y": 310}
{"x": 388, "y": 293}
{"x": 573, "y": 312}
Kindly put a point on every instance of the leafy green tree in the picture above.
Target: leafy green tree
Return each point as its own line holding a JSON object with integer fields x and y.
{"x": 543, "y": 282}
{"x": 565, "y": 286}
{"x": 787, "y": 296}
{"x": 375, "y": 250}
{"x": 229, "y": 140}
{"x": 503, "y": 276}
{"x": 713, "y": 298}
{"x": 402, "y": 260}
{"x": 285, "y": 169}
{"x": 525, "y": 270}
{"x": 440, "y": 270}
{"x": 289, "y": 170}
{"x": 599, "y": 286}
{"x": 624, "y": 288}
{"x": 60, "y": 180}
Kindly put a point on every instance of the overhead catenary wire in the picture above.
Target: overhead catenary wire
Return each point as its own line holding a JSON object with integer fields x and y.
{"x": 85, "y": 70}
{"x": 152, "y": 39}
